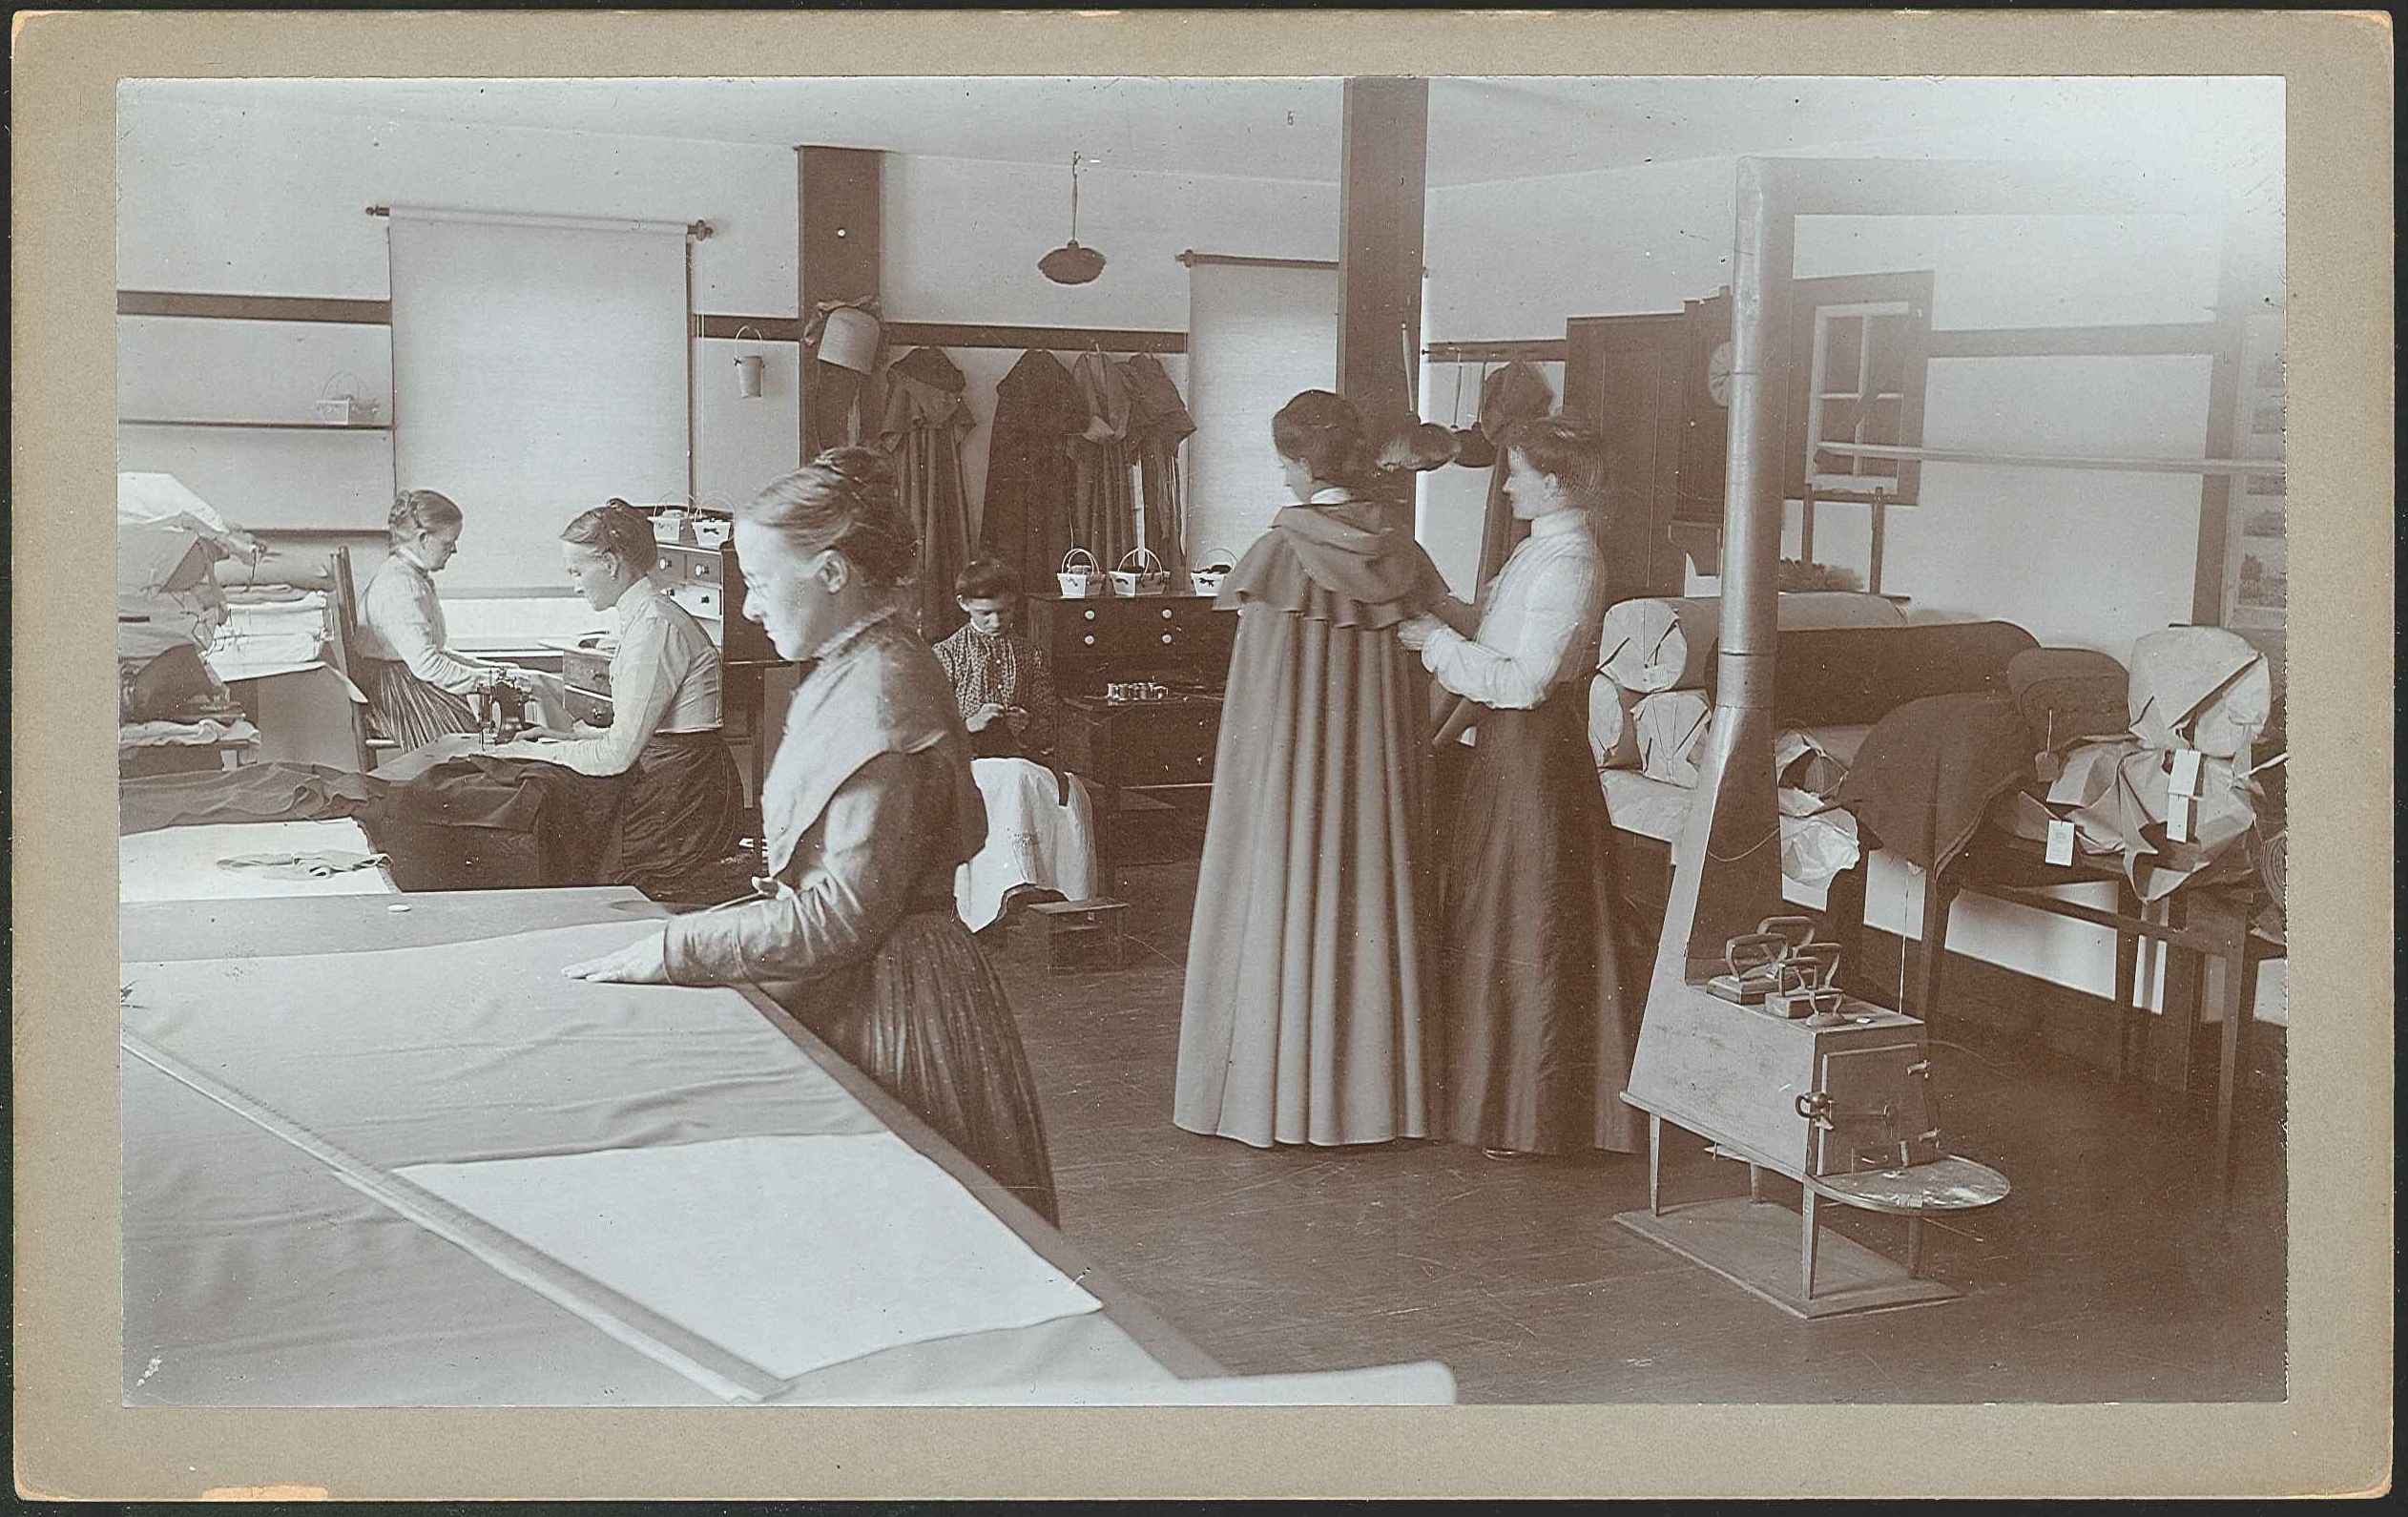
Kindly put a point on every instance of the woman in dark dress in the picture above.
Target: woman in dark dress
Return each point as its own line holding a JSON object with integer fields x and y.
{"x": 1539, "y": 1025}
{"x": 868, "y": 809}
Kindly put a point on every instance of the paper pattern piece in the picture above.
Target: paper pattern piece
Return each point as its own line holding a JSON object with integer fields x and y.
{"x": 788, "y": 1252}
{"x": 181, "y": 863}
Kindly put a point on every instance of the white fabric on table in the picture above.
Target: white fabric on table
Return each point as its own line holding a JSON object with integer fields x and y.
{"x": 1668, "y": 642}
{"x": 789, "y": 1253}
{"x": 258, "y": 1278}
{"x": 1032, "y": 839}
{"x": 1816, "y": 844}
{"x": 181, "y": 863}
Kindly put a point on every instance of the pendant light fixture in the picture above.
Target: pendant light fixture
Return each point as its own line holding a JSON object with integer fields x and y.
{"x": 1070, "y": 263}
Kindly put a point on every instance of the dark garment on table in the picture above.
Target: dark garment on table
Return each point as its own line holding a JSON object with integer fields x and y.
{"x": 2068, "y": 694}
{"x": 1517, "y": 392}
{"x": 1856, "y": 675}
{"x": 165, "y": 687}
{"x": 266, "y": 792}
{"x": 408, "y": 708}
{"x": 1025, "y": 520}
{"x": 923, "y": 423}
{"x": 1158, "y": 424}
{"x": 487, "y": 823}
{"x": 1927, "y": 774}
{"x": 1541, "y": 1021}
{"x": 1102, "y": 510}
{"x": 683, "y": 812}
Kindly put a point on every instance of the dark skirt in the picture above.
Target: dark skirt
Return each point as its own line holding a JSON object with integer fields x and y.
{"x": 1540, "y": 1021}
{"x": 405, "y": 708}
{"x": 684, "y": 811}
{"x": 927, "y": 1019}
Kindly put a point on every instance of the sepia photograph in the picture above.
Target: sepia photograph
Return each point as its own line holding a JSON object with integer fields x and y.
{"x": 1116, "y": 741}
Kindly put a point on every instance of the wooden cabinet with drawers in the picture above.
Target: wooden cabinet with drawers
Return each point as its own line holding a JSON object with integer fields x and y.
{"x": 1178, "y": 640}
{"x": 1137, "y": 745}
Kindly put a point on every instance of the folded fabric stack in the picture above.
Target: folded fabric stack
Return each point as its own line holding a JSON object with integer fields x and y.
{"x": 269, "y": 633}
{"x": 2132, "y": 793}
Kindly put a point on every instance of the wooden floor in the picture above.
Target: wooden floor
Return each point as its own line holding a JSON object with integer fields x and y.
{"x": 2112, "y": 1274}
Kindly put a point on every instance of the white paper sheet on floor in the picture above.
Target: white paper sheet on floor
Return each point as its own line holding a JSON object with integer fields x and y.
{"x": 863, "y": 1244}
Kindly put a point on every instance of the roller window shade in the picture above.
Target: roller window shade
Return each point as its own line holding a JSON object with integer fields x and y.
{"x": 1255, "y": 336}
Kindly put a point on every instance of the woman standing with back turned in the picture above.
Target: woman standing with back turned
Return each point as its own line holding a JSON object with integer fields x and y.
{"x": 1539, "y": 1030}
{"x": 1302, "y": 1021}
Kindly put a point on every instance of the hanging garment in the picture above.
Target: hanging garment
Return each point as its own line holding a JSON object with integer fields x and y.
{"x": 1104, "y": 511}
{"x": 1927, "y": 774}
{"x": 1517, "y": 392}
{"x": 924, "y": 421}
{"x": 1307, "y": 980}
{"x": 1158, "y": 423}
{"x": 1026, "y": 519}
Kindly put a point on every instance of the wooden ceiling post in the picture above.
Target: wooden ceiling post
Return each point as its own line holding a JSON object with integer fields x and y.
{"x": 1383, "y": 165}
{"x": 837, "y": 211}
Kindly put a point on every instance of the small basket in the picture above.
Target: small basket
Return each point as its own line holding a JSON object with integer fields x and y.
{"x": 1080, "y": 576}
{"x": 1218, "y": 562}
{"x": 1147, "y": 578}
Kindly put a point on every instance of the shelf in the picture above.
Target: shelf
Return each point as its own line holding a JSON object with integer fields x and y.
{"x": 259, "y": 426}
{"x": 1851, "y": 395}
{"x": 2123, "y": 466}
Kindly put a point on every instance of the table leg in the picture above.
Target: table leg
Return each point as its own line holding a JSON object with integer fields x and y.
{"x": 2184, "y": 992}
{"x": 1755, "y": 1183}
{"x": 1939, "y": 892}
{"x": 1914, "y": 1248}
{"x": 2131, "y": 1022}
{"x": 2239, "y": 986}
{"x": 1655, "y": 1165}
{"x": 1843, "y": 919}
{"x": 1806, "y": 1246}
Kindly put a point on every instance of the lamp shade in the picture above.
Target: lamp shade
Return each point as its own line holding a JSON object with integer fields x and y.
{"x": 1072, "y": 263}
{"x": 849, "y": 340}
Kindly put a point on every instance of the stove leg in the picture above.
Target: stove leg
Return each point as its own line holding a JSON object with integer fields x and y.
{"x": 1755, "y": 1183}
{"x": 1806, "y": 1247}
{"x": 1655, "y": 1165}
{"x": 1914, "y": 1248}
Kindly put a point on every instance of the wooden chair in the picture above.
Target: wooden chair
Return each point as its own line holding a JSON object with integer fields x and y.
{"x": 342, "y": 620}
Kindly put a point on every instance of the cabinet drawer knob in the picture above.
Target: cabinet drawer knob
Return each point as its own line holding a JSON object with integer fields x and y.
{"x": 1090, "y": 613}
{"x": 1166, "y": 614}
{"x": 1088, "y": 639}
{"x": 1166, "y": 637}
{"x": 664, "y": 563}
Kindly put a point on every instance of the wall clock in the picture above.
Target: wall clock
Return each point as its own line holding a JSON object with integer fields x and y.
{"x": 1718, "y": 375}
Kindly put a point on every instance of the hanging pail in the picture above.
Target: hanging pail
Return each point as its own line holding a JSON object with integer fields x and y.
{"x": 849, "y": 340}
{"x": 1079, "y": 575}
{"x": 1217, "y": 564}
{"x": 1141, "y": 573}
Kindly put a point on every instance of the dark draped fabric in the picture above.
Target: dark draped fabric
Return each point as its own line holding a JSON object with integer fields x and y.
{"x": 1025, "y": 520}
{"x": 485, "y": 824}
{"x": 1104, "y": 510}
{"x": 924, "y": 423}
{"x": 1158, "y": 424}
{"x": 266, "y": 792}
{"x": 1541, "y": 1021}
{"x": 683, "y": 814}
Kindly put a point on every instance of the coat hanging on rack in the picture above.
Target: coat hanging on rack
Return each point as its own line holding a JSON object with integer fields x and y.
{"x": 1104, "y": 510}
{"x": 1158, "y": 423}
{"x": 922, "y": 425}
{"x": 1025, "y": 518}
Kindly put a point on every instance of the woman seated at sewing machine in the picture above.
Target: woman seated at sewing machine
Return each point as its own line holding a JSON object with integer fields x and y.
{"x": 417, "y": 686}
{"x": 1040, "y": 824}
{"x": 684, "y": 805}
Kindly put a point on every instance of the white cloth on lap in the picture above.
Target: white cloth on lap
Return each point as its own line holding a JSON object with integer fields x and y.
{"x": 1032, "y": 839}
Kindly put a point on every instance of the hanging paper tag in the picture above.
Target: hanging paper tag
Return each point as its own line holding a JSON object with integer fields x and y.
{"x": 2047, "y": 767}
{"x": 2060, "y": 842}
{"x": 2178, "y": 818}
{"x": 2186, "y": 775}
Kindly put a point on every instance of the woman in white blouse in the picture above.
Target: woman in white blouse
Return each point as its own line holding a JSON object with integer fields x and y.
{"x": 417, "y": 688}
{"x": 1539, "y": 1026}
{"x": 683, "y": 807}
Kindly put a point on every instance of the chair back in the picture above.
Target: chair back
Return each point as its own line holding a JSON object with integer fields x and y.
{"x": 343, "y": 621}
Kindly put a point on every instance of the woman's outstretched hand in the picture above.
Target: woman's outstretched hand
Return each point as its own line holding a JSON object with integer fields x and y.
{"x": 1416, "y": 631}
{"x": 644, "y": 962}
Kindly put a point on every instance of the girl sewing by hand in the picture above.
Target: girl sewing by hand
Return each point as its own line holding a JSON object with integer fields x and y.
{"x": 684, "y": 808}
{"x": 868, "y": 808}
{"x": 1040, "y": 822}
{"x": 1539, "y": 1030}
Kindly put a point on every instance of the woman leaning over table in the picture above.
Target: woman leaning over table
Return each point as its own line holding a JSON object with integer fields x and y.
{"x": 684, "y": 805}
{"x": 868, "y": 809}
{"x": 1539, "y": 1025}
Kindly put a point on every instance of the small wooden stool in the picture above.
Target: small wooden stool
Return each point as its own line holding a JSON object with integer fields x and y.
{"x": 1065, "y": 934}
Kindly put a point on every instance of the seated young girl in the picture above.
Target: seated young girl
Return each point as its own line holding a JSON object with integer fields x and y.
{"x": 1040, "y": 823}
